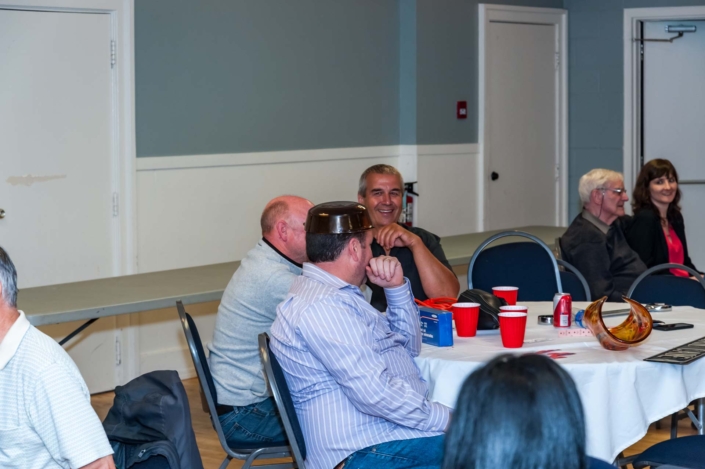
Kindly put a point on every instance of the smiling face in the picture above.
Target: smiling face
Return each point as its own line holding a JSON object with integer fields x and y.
{"x": 383, "y": 199}
{"x": 663, "y": 190}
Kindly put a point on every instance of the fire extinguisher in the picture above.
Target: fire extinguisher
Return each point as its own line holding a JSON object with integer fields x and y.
{"x": 408, "y": 208}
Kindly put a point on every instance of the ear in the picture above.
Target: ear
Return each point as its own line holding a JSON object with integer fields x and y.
{"x": 597, "y": 197}
{"x": 360, "y": 199}
{"x": 355, "y": 250}
{"x": 282, "y": 230}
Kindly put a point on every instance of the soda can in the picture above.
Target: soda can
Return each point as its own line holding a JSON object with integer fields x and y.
{"x": 562, "y": 309}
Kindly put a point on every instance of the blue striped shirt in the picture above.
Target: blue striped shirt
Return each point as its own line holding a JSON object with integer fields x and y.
{"x": 350, "y": 369}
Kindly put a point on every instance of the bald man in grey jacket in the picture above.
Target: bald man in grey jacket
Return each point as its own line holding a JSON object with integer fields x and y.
{"x": 246, "y": 410}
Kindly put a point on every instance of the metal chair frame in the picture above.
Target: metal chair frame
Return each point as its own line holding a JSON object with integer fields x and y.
{"x": 279, "y": 397}
{"x": 246, "y": 455}
{"x": 660, "y": 267}
{"x": 573, "y": 270}
{"x": 520, "y": 234}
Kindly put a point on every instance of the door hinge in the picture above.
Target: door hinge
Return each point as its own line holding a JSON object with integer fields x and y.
{"x": 113, "y": 54}
{"x": 558, "y": 60}
{"x": 116, "y": 204}
{"x": 557, "y": 174}
{"x": 118, "y": 352}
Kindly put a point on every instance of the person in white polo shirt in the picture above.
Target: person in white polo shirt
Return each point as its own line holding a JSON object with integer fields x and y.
{"x": 46, "y": 418}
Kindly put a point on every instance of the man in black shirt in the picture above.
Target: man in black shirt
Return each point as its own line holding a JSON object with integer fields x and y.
{"x": 418, "y": 250}
{"x": 595, "y": 243}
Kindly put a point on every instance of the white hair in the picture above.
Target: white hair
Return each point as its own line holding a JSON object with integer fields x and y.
{"x": 596, "y": 179}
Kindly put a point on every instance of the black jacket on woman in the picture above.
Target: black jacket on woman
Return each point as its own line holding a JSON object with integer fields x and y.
{"x": 645, "y": 236}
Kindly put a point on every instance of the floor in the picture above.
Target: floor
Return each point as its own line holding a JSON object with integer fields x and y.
{"x": 212, "y": 454}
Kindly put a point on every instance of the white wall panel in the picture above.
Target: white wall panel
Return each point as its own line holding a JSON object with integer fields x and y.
{"x": 197, "y": 216}
{"x": 449, "y": 188}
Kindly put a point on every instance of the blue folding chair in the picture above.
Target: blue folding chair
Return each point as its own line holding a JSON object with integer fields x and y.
{"x": 280, "y": 390}
{"x": 208, "y": 393}
{"x": 676, "y": 291}
{"x": 687, "y": 452}
{"x": 594, "y": 463}
{"x": 530, "y": 266}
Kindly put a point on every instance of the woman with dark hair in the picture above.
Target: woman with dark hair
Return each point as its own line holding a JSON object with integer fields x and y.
{"x": 657, "y": 231}
{"x": 518, "y": 411}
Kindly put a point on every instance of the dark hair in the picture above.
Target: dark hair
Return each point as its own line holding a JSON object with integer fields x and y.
{"x": 517, "y": 412}
{"x": 327, "y": 247}
{"x": 8, "y": 279}
{"x": 641, "y": 199}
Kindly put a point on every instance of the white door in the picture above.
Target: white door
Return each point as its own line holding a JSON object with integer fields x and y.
{"x": 674, "y": 117}
{"x": 56, "y": 146}
{"x": 56, "y": 164}
{"x": 522, "y": 123}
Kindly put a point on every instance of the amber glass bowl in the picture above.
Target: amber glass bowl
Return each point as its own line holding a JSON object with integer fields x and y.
{"x": 633, "y": 331}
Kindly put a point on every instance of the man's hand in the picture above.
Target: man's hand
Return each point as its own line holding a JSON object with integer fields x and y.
{"x": 385, "y": 271}
{"x": 394, "y": 235}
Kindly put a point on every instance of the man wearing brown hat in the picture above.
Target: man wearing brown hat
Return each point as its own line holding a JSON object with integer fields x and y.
{"x": 358, "y": 393}
{"x": 419, "y": 251}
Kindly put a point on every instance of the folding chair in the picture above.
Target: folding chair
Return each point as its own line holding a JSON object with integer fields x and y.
{"x": 248, "y": 455}
{"x": 687, "y": 452}
{"x": 280, "y": 389}
{"x": 676, "y": 291}
{"x": 529, "y": 266}
{"x": 594, "y": 463}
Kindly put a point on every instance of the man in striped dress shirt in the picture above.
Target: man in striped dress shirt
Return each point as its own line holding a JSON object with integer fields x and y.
{"x": 357, "y": 390}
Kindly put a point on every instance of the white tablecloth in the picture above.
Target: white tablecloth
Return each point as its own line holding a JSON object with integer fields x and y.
{"x": 621, "y": 393}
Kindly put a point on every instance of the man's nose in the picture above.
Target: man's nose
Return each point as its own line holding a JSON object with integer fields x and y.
{"x": 625, "y": 196}
{"x": 386, "y": 199}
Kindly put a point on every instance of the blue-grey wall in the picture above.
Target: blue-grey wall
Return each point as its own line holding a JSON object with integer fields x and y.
{"x": 407, "y": 72}
{"x": 597, "y": 84}
{"x": 223, "y": 76}
{"x": 447, "y": 67}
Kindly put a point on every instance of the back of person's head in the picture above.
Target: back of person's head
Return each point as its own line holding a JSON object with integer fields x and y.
{"x": 596, "y": 179}
{"x": 654, "y": 169}
{"x": 519, "y": 412}
{"x": 377, "y": 169}
{"x": 328, "y": 247}
{"x": 8, "y": 279}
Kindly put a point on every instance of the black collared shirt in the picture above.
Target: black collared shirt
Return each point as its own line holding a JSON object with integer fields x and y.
{"x": 406, "y": 258}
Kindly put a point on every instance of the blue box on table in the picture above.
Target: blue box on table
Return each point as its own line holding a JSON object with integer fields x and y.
{"x": 436, "y": 327}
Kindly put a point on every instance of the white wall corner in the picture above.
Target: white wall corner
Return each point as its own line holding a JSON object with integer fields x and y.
{"x": 408, "y": 162}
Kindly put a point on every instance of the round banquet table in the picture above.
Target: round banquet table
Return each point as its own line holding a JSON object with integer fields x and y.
{"x": 621, "y": 393}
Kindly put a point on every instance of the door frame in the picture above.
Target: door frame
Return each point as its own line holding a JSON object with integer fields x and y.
{"x": 514, "y": 14}
{"x": 632, "y": 77}
{"x": 123, "y": 123}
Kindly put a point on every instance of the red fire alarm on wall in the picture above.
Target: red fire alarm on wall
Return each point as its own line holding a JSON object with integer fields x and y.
{"x": 462, "y": 110}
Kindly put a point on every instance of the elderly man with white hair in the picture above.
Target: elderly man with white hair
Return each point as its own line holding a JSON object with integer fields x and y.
{"x": 46, "y": 418}
{"x": 595, "y": 242}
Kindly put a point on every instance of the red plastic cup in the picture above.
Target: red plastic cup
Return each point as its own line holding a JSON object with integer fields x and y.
{"x": 466, "y": 316}
{"x": 508, "y": 293}
{"x": 512, "y": 325}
